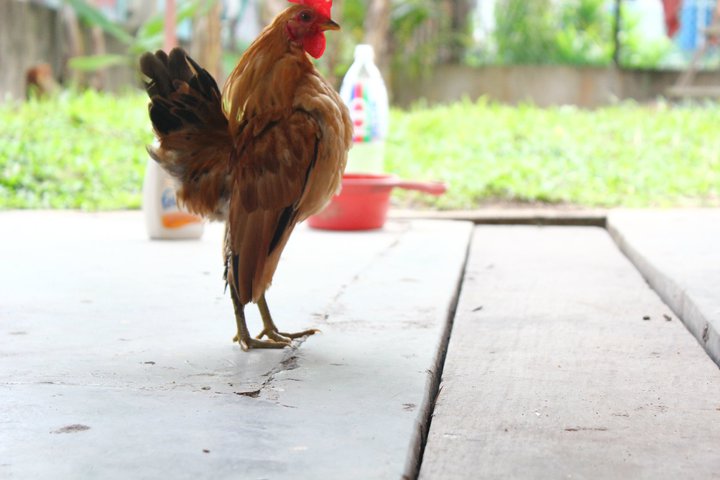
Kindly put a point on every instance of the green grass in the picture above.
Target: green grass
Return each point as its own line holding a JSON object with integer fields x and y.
{"x": 87, "y": 151}
{"x": 624, "y": 155}
{"x": 84, "y": 151}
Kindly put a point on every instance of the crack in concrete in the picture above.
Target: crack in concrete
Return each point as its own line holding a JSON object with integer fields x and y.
{"x": 288, "y": 363}
{"x": 412, "y": 468}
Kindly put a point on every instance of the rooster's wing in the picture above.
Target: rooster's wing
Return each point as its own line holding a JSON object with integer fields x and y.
{"x": 275, "y": 158}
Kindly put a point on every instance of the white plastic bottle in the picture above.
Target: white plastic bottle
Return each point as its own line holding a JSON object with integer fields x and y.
{"x": 163, "y": 218}
{"x": 363, "y": 91}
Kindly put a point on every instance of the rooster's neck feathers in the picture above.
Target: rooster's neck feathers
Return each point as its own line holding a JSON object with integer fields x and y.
{"x": 267, "y": 74}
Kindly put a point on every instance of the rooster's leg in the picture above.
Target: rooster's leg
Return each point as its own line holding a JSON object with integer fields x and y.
{"x": 271, "y": 331}
{"x": 243, "y": 336}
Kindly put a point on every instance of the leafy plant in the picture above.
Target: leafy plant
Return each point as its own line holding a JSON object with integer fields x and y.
{"x": 573, "y": 32}
{"x": 636, "y": 51}
{"x": 524, "y": 31}
{"x": 419, "y": 32}
{"x": 76, "y": 150}
{"x": 407, "y": 19}
{"x": 586, "y": 33}
{"x": 148, "y": 37}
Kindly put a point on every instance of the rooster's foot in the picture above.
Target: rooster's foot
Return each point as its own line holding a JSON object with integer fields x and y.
{"x": 274, "y": 335}
{"x": 248, "y": 343}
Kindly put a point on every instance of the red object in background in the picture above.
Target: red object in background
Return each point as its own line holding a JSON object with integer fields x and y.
{"x": 364, "y": 201}
{"x": 170, "y": 35}
{"x": 672, "y": 16}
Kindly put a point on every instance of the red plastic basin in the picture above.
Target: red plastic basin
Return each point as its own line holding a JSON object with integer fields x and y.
{"x": 364, "y": 201}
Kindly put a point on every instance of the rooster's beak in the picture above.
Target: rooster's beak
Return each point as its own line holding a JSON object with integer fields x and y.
{"x": 329, "y": 25}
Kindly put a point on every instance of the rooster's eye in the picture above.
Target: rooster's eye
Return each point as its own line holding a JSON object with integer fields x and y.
{"x": 305, "y": 16}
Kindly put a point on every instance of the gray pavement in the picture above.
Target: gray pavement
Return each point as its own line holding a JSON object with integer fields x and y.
{"x": 678, "y": 253}
{"x": 562, "y": 364}
{"x": 116, "y": 360}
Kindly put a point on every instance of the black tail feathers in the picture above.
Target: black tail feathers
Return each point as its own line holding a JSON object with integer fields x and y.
{"x": 183, "y": 94}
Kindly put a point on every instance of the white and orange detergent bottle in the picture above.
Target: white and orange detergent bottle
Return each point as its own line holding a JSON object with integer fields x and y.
{"x": 163, "y": 218}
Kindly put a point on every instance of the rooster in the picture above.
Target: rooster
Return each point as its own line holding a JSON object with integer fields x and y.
{"x": 262, "y": 156}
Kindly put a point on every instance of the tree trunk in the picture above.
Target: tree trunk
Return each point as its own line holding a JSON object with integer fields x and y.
{"x": 206, "y": 46}
{"x": 617, "y": 29}
{"x": 76, "y": 45}
{"x": 459, "y": 26}
{"x": 377, "y": 34}
{"x": 99, "y": 77}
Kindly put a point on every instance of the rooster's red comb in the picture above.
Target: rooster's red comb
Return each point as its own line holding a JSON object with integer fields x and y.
{"x": 322, "y": 6}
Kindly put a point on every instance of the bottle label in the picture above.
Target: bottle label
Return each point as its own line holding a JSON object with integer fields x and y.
{"x": 168, "y": 200}
{"x": 364, "y": 114}
{"x": 171, "y": 215}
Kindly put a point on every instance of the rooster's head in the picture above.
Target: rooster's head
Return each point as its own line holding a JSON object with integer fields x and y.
{"x": 307, "y": 24}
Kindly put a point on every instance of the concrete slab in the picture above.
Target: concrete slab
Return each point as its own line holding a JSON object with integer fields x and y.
{"x": 116, "y": 360}
{"x": 561, "y": 364}
{"x": 678, "y": 253}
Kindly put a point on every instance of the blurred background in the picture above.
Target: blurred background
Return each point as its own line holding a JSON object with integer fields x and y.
{"x": 577, "y": 102}
{"x": 424, "y": 48}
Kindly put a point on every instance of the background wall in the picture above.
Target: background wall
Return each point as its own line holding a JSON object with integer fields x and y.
{"x": 541, "y": 85}
{"x": 32, "y": 34}
{"x": 29, "y": 34}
